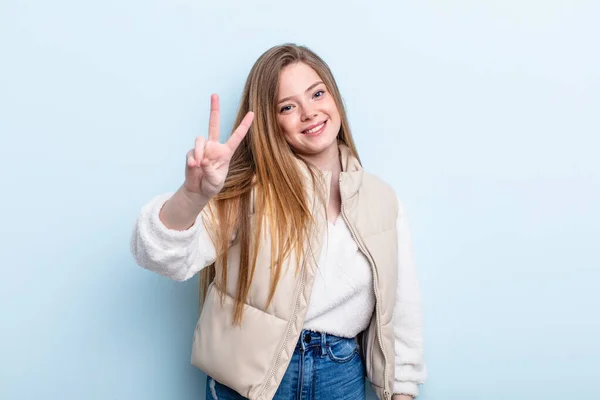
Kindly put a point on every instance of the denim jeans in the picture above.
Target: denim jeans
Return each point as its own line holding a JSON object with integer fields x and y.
{"x": 323, "y": 367}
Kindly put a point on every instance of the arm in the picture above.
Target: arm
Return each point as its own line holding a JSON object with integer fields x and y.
{"x": 169, "y": 236}
{"x": 408, "y": 318}
{"x": 177, "y": 254}
{"x": 182, "y": 209}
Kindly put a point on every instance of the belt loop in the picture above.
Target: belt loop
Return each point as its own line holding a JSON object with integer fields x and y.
{"x": 303, "y": 345}
{"x": 323, "y": 344}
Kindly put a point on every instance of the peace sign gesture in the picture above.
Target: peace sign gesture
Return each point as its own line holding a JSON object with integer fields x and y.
{"x": 208, "y": 162}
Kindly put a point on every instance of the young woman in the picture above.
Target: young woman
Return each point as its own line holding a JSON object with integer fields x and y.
{"x": 305, "y": 258}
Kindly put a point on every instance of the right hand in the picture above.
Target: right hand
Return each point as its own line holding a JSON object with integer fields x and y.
{"x": 208, "y": 162}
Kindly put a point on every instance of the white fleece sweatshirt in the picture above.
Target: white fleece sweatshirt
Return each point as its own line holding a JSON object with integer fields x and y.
{"x": 342, "y": 299}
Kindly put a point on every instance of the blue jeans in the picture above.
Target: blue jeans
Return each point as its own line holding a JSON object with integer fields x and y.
{"x": 323, "y": 367}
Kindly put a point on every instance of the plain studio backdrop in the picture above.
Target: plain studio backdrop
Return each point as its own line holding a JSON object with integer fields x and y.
{"x": 483, "y": 115}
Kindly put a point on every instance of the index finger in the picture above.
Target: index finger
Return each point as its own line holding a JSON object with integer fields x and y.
{"x": 213, "y": 120}
{"x": 238, "y": 135}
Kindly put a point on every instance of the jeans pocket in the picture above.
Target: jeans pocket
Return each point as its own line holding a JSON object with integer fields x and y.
{"x": 211, "y": 389}
{"x": 217, "y": 391}
{"x": 343, "y": 350}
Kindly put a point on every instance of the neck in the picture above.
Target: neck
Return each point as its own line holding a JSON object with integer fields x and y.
{"x": 328, "y": 160}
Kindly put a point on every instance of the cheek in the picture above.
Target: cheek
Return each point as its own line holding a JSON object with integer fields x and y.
{"x": 333, "y": 111}
{"x": 287, "y": 124}
{"x": 334, "y": 114}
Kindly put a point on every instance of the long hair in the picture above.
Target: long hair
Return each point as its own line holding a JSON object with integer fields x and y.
{"x": 264, "y": 175}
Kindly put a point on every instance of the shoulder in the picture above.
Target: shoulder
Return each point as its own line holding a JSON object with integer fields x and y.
{"x": 380, "y": 192}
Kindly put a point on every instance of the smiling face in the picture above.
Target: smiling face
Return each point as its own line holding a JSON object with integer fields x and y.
{"x": 307, "y": 113}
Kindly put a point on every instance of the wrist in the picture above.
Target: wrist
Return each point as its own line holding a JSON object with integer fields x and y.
{"x": 181, "y": 210}
{"x": 192, "y": 200}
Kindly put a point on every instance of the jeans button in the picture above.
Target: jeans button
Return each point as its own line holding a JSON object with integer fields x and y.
{"x": 307, "y": 338}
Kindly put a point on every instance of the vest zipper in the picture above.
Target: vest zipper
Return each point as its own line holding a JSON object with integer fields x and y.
{"x": 386, "y": 392}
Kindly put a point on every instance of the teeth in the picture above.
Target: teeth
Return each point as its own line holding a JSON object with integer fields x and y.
{"x": 315, "y": 129}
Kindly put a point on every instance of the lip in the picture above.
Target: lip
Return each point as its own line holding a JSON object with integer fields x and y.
{"x": 314, "y": 126}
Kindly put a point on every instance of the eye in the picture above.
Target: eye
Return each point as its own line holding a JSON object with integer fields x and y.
{"x": 285, "y": 108}
{"x": 319, "y": 93}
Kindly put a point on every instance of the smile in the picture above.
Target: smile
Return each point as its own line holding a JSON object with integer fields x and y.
{"x": 316, "y": 129}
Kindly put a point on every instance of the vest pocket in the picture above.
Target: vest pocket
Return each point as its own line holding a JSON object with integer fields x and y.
{"x": 237, "y": 357}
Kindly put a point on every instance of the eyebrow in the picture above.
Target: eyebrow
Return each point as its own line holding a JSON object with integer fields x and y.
{"x": 307, "y": 90}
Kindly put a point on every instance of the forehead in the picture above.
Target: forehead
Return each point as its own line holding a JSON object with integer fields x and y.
{"x": 296, "y": 78}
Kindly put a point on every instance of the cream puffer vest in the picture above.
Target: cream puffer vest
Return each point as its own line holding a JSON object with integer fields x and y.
{"x": 252, "y": 359}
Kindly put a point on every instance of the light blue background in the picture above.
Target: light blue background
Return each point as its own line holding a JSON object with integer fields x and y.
{"x": 483, "y": 115}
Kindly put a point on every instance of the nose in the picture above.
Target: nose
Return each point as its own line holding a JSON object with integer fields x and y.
{"x": 308, "y": 113}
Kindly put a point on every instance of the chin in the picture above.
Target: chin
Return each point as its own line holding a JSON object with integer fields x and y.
{"x": 318, "y": 148}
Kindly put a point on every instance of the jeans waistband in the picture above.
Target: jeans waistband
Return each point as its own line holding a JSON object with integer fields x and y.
{"x": 310, "y": 339}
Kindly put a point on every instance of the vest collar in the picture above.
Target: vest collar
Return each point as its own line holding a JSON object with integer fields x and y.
{"x": 350, "y": 177}
{"x": 352, "y": 172}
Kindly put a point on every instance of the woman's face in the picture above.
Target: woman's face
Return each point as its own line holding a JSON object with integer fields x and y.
{"x": 306, "y": 112}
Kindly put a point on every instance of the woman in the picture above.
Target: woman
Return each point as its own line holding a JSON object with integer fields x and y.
{"x": 305, "y": 259}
